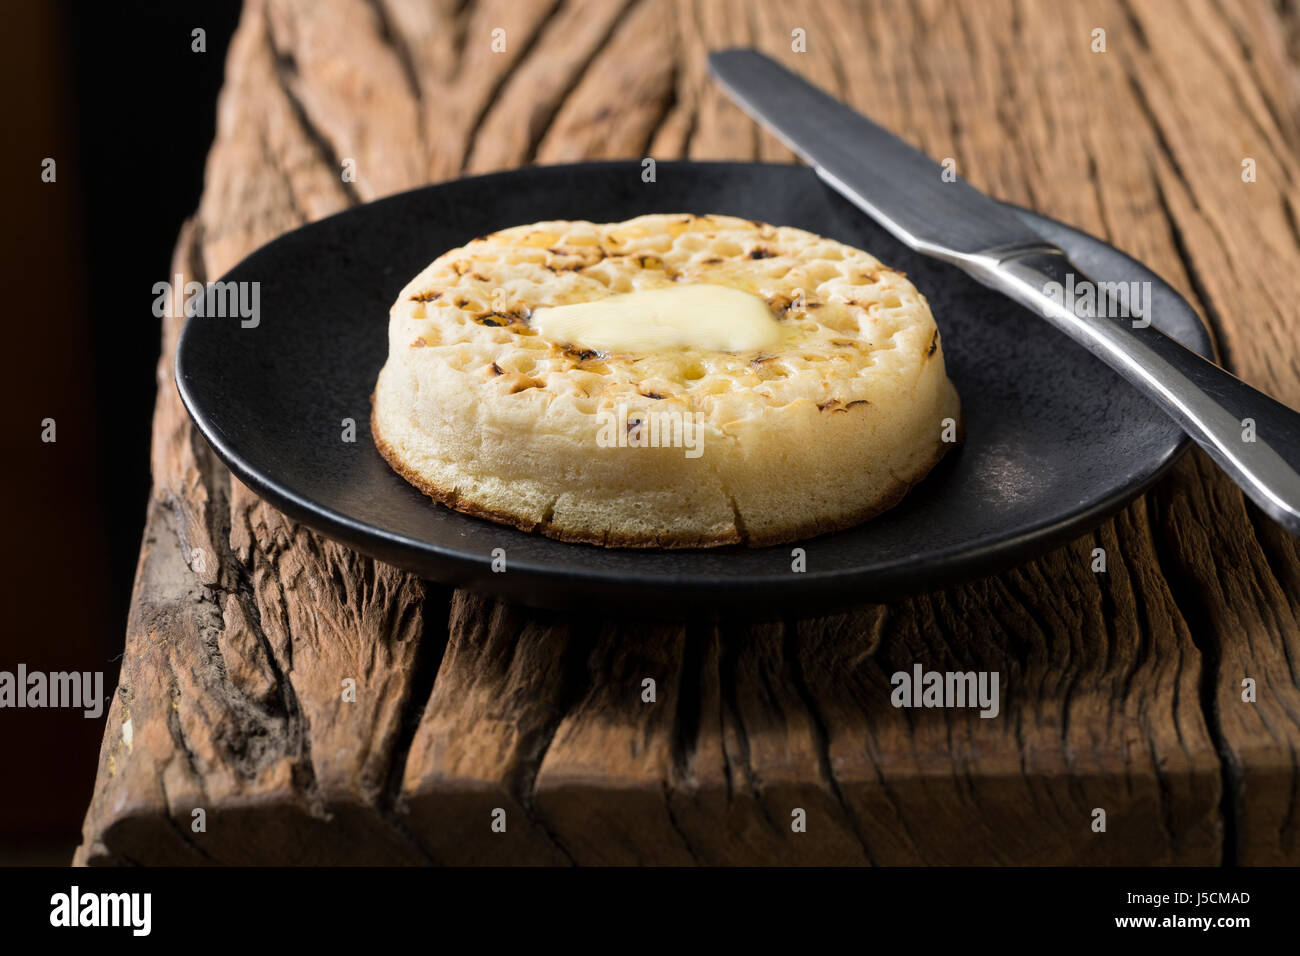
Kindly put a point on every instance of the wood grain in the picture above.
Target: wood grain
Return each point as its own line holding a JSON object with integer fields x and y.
{"x": 1122, "y": 690}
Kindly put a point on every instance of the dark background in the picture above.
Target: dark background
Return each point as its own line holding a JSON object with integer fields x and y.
{"x": 115, "y": 95}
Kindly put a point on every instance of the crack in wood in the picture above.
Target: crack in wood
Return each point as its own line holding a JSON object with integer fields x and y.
{"x": 822, "y": 738}
{"x": 530, "y": 42}
{"x": 390, "y": 36}
{"x": 576, "y": 76}
{"x": 1187, "y": 596}
{"x": 285, "y": 70}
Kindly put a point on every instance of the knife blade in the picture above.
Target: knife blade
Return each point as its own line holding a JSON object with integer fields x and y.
{"x": 1252, "y": 437}
{"x": 896, "y": 184}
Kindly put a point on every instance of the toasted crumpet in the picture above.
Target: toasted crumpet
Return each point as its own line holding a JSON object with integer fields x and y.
{"x": 823, "y": 429}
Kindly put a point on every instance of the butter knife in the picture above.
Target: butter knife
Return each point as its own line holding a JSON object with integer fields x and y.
{"x": 1252, "y": 437}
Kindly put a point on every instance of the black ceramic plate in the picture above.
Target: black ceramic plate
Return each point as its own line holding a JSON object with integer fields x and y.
{"x": 1055, "y": 442}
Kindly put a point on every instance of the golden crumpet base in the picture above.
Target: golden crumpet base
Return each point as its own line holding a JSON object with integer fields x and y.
{"x": 816, "y": 434}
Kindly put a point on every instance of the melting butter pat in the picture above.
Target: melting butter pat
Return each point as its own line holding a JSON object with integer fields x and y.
{"x": 701, "y": 316}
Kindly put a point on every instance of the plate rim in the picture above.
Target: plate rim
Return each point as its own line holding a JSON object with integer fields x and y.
{"x": 939, "y": 569}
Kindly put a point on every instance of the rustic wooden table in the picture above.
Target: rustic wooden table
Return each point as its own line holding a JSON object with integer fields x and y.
{"x": 1122, "y": 690}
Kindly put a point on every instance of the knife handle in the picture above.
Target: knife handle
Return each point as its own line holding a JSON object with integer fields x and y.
{"x": 1252, "y": 437}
